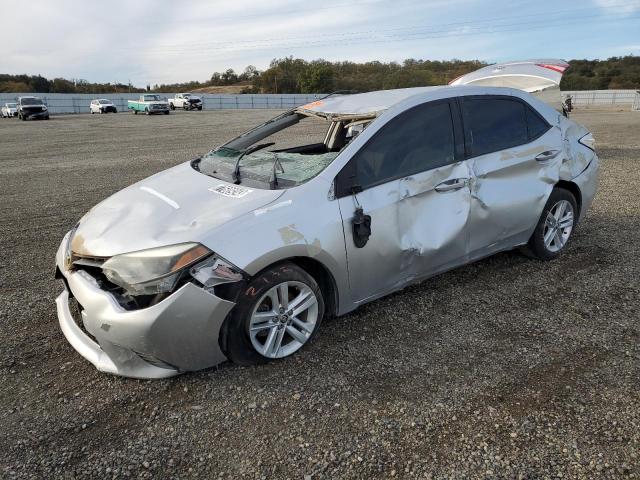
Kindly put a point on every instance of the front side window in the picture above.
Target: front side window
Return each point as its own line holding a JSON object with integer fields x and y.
{"x": 493, "y": 124}
{"x": 415, "y": 141}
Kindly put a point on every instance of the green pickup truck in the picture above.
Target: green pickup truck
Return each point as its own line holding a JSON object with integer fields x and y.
{"x": 149, "y": 103}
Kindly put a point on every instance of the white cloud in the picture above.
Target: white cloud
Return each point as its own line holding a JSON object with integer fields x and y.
{"x": 619, "y": 6}
{"x": 163, "y": 41}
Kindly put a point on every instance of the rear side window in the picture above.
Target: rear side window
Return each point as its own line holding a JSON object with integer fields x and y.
{"x": 493, "y": 124}
{"x": 536, "y": 124}
{"x": 415, "y": 141}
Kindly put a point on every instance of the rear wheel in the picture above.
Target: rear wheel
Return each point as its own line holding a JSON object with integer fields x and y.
{"x": 555, "y": 226}
{"x": 278, "y": 313}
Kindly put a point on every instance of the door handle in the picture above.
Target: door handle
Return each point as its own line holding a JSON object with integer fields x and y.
{"x": 451, "y": 185}
{"x": 547, "y": 155}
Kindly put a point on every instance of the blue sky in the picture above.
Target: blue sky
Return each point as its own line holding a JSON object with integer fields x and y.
{"x": 162, "y": 41}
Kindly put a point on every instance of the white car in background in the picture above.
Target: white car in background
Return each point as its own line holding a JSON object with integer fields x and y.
{"x": 186, "y": 101}
{"x": 102, "y": 105}
{"x": 9, "y": 110}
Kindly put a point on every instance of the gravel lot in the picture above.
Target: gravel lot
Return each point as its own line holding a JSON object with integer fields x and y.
{"x": 506, "y": 368}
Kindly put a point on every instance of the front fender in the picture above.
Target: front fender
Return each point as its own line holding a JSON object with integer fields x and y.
{"x": 303, "y": 222}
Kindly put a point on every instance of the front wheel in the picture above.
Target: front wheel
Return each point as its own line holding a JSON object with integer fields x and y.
{"x": 278, "y": 313}
{"x": 555, "y": 226}
{"x": 172, "y": 106}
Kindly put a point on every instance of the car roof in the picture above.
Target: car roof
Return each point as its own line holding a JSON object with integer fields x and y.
{"x": 370, "y": 103}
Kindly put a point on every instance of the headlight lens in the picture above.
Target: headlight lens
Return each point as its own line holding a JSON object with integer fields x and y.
{"x": 44, "y": 107}
{"x": 155, "y": 270}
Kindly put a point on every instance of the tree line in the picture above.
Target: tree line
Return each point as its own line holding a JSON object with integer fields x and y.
{"x": 295, "y": 75}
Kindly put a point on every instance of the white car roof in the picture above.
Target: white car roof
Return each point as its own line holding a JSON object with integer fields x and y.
{"x": 369, "y": 103}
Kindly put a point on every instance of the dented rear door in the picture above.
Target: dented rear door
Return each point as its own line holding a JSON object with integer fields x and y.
{"x": 515, "y": 158}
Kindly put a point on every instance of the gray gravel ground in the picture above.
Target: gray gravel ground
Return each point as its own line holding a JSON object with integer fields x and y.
{"x": 507, "y": 368}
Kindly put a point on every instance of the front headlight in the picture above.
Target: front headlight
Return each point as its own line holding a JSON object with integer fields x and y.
{"x": 44, "y": 107}
{"x": 156, "y": 270}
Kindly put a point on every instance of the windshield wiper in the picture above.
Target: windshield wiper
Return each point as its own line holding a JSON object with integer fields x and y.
{"x": 235, "y": 175}
{"x": 273, "y": 181}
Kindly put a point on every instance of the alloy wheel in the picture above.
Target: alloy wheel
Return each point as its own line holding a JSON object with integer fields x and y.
{"x": 284, "y": 319}
{"x": 558, "y": 226}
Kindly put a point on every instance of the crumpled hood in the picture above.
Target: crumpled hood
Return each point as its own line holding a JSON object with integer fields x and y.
{"x": 174, "y": 206}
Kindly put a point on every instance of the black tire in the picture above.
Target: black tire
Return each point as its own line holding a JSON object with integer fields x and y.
{"x": 199, "y": 108}
{"x": 146, "y": 111}
{"x": 115, "y": 110}
{"x": 536, "y": 247}
{"x": 172, "y": 106}
{"x": 167, "y": 112}
{"x": 135, "y": 112}
{"x": 23, "y": 118}
{"x": 235, "y": 340}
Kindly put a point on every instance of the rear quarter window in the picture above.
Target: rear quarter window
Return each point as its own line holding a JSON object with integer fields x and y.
{"x": 536, "y": 125}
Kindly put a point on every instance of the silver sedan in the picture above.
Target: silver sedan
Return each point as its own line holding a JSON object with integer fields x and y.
{"x": 241, "y": 253}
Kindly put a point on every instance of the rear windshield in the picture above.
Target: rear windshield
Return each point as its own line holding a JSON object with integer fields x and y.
{"x": 151, "y": 98}
{"x": 289, "y": 150}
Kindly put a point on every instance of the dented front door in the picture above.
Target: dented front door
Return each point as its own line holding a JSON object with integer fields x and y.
{"x": 416, "y": 190}
{"x": 418, "y": 228}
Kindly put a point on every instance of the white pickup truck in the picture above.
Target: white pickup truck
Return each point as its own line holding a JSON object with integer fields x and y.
{"x": 187, "y": 101}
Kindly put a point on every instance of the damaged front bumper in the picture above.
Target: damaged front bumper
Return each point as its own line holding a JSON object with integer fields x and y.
{"x": 180, "y": 333}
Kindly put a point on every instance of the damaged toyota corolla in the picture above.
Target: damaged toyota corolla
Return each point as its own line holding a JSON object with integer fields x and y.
{"x": 240, "y": 254}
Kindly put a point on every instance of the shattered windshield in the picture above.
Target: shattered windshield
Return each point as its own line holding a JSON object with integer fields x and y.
{"x": 281, "y": 153}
